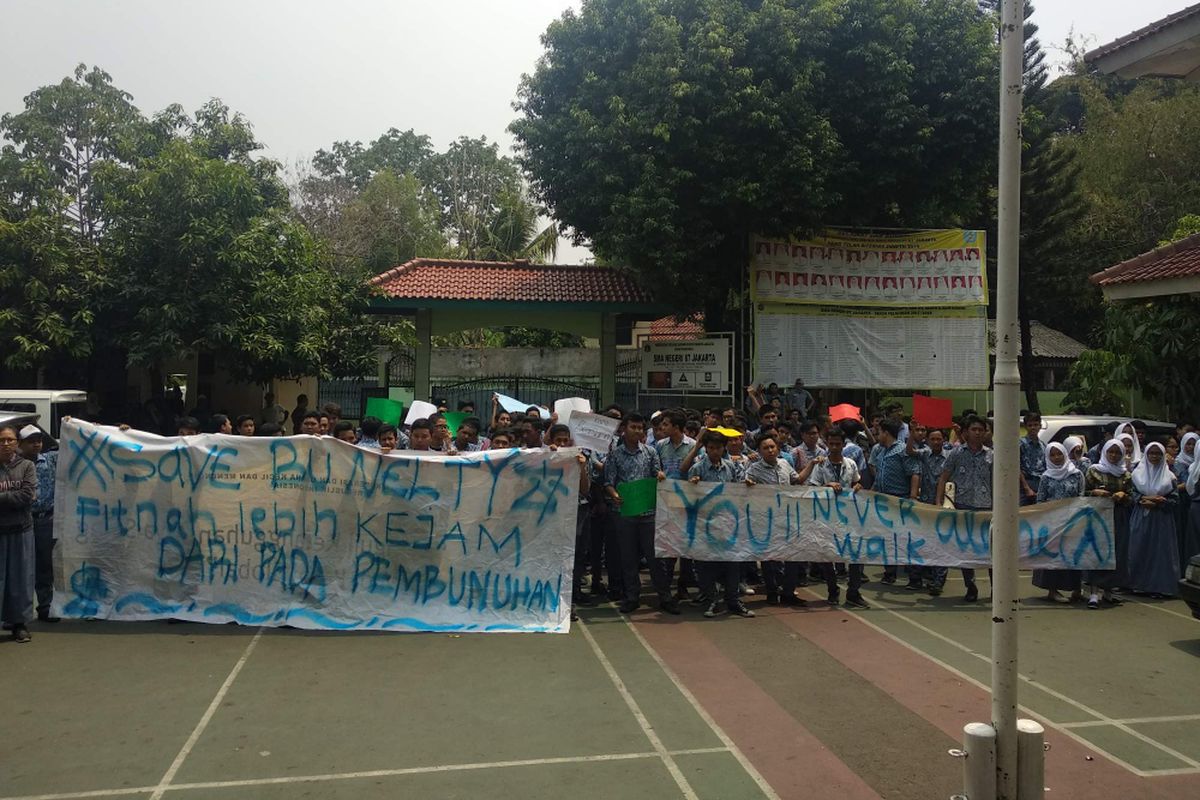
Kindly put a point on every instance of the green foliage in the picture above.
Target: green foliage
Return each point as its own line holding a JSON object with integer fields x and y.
{"x": 1188, "y": 225}
{"x": 1094, "y": 383}
{"x": 1157, "y": 343}
{"x": 669, "y": 132}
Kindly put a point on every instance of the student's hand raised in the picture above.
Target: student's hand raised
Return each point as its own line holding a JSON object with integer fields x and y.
{"x": 662, "y": 476}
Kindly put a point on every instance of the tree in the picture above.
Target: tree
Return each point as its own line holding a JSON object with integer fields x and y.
{"x": 669, "y": 132}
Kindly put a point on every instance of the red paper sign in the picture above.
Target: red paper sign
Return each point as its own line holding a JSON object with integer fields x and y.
{"x": 844, "y": 411}
{"x": 933, "y": 412}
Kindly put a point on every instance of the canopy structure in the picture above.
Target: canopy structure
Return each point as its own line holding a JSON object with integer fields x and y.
{"x": 1169, "y": 270}
{"x": 1169, "y": 48}
{"x": 447, "y": 295}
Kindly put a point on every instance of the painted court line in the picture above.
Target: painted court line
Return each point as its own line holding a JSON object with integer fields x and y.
{"x": 186, "y": 750}
{"x": 1134, "y": 721}
{"x": 1032, "y": 713}
{"x": 378, "y": 773}
{"x": 1156, "y": 607}
{"x": 688, "y": 792}
{"x": 1192, "y": 763}
{"x": 753, "y": 772}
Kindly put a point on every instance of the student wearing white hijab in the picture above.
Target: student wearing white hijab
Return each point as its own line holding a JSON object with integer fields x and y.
{"x": 1189, "y": 536}
{"x": 1061, "y": 480}
{"x": 1109, "y": 478}
{"x": 1076, "y": 452}
{"x": 1133, "y": 445}
{"x": 1153, "y": 541}
{"x": 1187, "y": 455}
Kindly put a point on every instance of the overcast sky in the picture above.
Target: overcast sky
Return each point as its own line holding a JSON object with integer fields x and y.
{"x": 308, "y": 73}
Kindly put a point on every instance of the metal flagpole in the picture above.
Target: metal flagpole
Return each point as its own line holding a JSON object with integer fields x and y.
{"x": 1007, "y": 396}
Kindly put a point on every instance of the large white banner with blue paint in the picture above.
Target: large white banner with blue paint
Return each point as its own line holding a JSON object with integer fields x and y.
{"x": 312, "y": 532}
{"x": 735, "y": 522}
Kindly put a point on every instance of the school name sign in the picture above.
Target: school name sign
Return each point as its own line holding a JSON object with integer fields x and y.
{"x": 312, "y": 532}
{"x": 734, "y": 522}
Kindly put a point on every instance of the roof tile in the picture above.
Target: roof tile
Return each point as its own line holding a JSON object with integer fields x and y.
{"x": 507, "y": 281}
{"x": 1176, "y": 260}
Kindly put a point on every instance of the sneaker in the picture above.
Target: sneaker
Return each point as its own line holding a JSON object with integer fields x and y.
{"x": 744, "y": 590}
{"x": 574, "y": 616}
{"x": 628, "y": 607}
{"x": 739, "y": 608}
{"x": 935, "y": 591}
{"x": 888, "y": 579}
{"x": 703, "y": 599}
{"x": 1093, "y": 602}
{"x": 833, "y": 600}
{"x": 914, "y": 586}
{"x": 793, "y": 601}
{"x": 856, "y": 601}
{"x": 669, "y": 607}
{"x": 972, "y": 593}
{"x": 715, "y": 609}
{"x": 21, "y": 634}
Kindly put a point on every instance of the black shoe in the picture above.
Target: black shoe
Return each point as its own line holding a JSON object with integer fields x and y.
{"x": 856, "y": 601}
{"x": 682, "y": 596}
{"x": 888, "y": 579}
{"x": 574, "y": 616}
{"x": 703, "y": 599}
{"x": 585, "y": 600}
{"x": 629, "y": 606}
{"x": 772, "y": 599}
{"x": 615, "y": 595}
{"x": 598, "y": 588}
{"x": 935, "y": 591}
{"x": 669, "y": 607}
{"x": 972, "y": 593}
{"x": 44, "y": 615}
{"x": 793, "y": 601}
{"x": 715, "y": 609}
{"x": 21, "y": 634}
{"x": 914, "y": 586}
{"x": 739, "y": 608}
{"x": 833, "y": 600}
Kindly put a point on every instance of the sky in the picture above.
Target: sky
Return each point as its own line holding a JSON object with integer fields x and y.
{"x": 309, "y": 73}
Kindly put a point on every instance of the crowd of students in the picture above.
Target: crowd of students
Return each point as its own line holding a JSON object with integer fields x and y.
{"x": 769, "y": 441}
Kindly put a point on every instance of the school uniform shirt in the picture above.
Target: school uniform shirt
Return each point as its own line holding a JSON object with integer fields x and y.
{"x": 971, "y": 472}
{"x": 929, "y": 467}
{"x": 724, "y": 472}
{"x": 778, "y": 474}
{"x": 810, "y": 454}
{"x": 891, "y": 469}
{"x": 844, "y": 472}
{"x": 47, "y": 466}
{"x": 1033, "y": 461}
{"x": 623, "y": 465}
{"x": 672, "y": 456}
{"x": 855, "y": 453}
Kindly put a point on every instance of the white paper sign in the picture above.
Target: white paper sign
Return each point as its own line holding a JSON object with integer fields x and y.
{"x": 313, "y": 532}
{"x": 419, "y": 410}
{"x": 570, "y": 405}
{"x": 594, "y": 432}
{"x": 514, "y": 406}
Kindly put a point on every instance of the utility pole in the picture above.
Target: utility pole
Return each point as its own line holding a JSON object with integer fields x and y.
{"x": 1007, "y": 395}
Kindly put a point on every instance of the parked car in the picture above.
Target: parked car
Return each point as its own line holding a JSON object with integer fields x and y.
{"x": 50, "y": 405}
{"x": 1189, "y": 586}
{"x": 1057, "y": 427}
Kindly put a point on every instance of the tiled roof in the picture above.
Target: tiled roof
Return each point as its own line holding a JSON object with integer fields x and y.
{"x": 508, "y": 282}
{"x": 1142, "y": 33}
{"x": 1047, "y": 342}
{"x": 671, "y": 328}
{"x": 1176, "y": 260}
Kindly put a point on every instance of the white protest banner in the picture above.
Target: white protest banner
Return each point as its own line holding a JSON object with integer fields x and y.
{"x": 571, "y": 405}
{"x": 735, "y": 522}
{"x": 593, "y": 431}
{"x": 514, "y": 406}
{"x": 419, "y": 410}
{"x": 312, "y": 532}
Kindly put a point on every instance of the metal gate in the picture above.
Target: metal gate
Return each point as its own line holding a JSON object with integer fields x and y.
{"x": 535, "y": 391}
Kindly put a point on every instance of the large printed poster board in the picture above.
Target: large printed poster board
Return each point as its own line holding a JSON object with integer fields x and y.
{"x": 872, "y": 348}
{"x": 933, "y": 268}
{"x": 312, "y": 532}
{"x": 687, "y": 365}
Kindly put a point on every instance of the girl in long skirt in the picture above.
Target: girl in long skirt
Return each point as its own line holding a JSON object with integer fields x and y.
{"x": 1153, "y": 543}
{"x": 1189, "y": 545}
{"x": 1062, "y": 479}
{"x": 1108, "y": 478}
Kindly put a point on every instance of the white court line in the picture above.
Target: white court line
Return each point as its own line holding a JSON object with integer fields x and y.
{"x": 688, "y": 792}
{"x": 169, "y": 775}
{"x": 1192, "y": 763}
{"x": 379, "y": 773}
{"x": 1180, "y": 614}
{"x": 753, "y": 772}
{"x": 1134, "y": 721}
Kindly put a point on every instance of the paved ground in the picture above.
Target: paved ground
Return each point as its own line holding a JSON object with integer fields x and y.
{"x": 817, "y": 703}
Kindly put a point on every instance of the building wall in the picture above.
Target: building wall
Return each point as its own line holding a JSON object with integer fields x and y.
{"x": 523, "y": 361}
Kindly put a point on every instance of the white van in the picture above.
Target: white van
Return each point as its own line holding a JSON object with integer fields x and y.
{"x": 51, "y": 405}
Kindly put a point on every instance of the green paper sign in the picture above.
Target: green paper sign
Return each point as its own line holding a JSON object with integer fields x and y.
{"x": 388, "y": 410}
{"x": 638, "y": 497}
{"x": 454, "y": 419}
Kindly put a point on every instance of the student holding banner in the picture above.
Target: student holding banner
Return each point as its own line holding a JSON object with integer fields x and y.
{"x": 970, "y": 469}
{"x": 1061, "y": 479}
{"x": 716, "y": 467}
{"x": 782, "y": 577}
{"x": 633, "y": 460}
{"x": 841, "y": 475}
